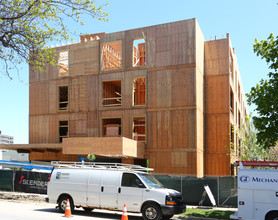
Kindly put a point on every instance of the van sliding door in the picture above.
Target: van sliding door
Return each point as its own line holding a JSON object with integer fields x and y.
{"x": 93, "y": 189}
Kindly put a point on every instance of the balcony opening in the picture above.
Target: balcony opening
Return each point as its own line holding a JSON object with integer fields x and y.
{"x": 111, "y": 93}
{"x": 112, "y": 55}
{"x": 139, "y": 129}
{"x": 63, "y": 98}
{"x": 139, "y": 52}
{"x": 111, "y": 127}
{"x": 139, "y": 91}
{"x": 63, "y": 130}
{"x": 63, "y": 63}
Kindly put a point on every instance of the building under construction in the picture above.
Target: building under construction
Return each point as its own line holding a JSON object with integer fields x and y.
{"x": 160, "y": 93}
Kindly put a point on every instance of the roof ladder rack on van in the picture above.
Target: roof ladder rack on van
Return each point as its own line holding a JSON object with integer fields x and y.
{"x": 100, "y": 165}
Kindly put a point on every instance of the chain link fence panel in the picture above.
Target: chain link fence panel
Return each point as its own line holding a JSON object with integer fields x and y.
{"x": 223, "y": 189}
{"x": 6, "y": 180}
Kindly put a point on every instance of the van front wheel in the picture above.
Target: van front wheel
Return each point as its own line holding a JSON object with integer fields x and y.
{"x": 151, "y": 211}
{"x": 272, "y": 216}
{"x": 62, "y": 203}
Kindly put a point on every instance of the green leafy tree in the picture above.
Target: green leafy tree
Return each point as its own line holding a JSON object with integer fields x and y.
{"x": 273, "y": 153}
{"x": 250, "y": 149}
{"x": 27, "y": 26}
{"x": 265, "y": 94}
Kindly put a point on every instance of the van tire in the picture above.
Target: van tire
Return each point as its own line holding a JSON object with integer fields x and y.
{"x": 86, "y": 209}
{"x": 151, "y": 211}
{"x": 167, "y": 216}
{"x": 272, "y": 216}
{"x": 62, "y": 203}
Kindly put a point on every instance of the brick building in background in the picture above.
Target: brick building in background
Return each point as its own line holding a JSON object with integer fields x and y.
{"x": 160, "y": 93}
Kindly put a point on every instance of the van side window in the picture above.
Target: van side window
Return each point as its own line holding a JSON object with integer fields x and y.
{"x": 131, "y": 180}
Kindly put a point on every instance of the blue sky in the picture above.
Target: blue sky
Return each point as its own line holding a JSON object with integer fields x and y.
{"x": 244, "y": 20}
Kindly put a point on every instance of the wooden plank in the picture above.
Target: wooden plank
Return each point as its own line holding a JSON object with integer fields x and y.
{"x": 117, "y": 146}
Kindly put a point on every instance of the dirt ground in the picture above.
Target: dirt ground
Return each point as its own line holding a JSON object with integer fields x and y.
{"x": 25, "y": 197}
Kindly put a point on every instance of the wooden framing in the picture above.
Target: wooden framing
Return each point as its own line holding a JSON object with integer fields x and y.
{"x": 139, "y": 128}
{"x": 186, "y": 105}
{"x": 63, "y": 63}
{"x": 111, "y": 91}
{"x": 139, "y": 52}
{"x": 139, "y": 91}
{"x": 111, "y": 55}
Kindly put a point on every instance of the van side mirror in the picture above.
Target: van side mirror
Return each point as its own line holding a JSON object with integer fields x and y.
{"x": 139, "y": 184}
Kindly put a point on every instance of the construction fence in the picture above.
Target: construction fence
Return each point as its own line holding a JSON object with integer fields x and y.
{"x": 224, "y": 189}
{"x": 23, "y": 181}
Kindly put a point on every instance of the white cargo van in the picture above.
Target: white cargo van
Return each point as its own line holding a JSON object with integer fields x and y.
{"x": 110, "y": 186}
{"x": 257, "y": 194}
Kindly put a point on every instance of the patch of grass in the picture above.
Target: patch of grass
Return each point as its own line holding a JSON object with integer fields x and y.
{"x": 208, "y": 213}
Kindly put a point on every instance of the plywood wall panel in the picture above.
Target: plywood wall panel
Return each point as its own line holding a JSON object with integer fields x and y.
{"x": 33, "y": 75}
{"x": 164, "y": 88}
{"x": 152, "y": 90}
{"x": 53, "y": 102}
{"x": 78, "y": 125}
{"x": 217, "y": 57}
{"x": 83, "y": 94}
{"x": 200, "y": 90}
{"x": 93, "y": 124}
{"x": 39, "y": 129}
{"x": 174, "y": 162}
{"x": 74, "y": 95}
{"x": 217, "y": 133}
{"x": 32, "y": 98}
{"x": 184, "y": 87}
{"x": 53, "y": 129}
{"x": 39, "y": 98}
{"x": 93, "y": 96}
{"x": 219, "y": 164}
{"x": 217, "y": 94}
{"x": 181, "y": 129}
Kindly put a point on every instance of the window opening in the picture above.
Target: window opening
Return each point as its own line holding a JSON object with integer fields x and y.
{"x": 63, "y": 62}
{"x": 139, "y": 91}
{"x": 139, "y": 52}
{"x": 232, "y": 136}
{"x": 111, "y": 55}
{"x": 111, "y": 127}
{"x": 139, "y": 129}
{"x": 239, "y": 117}
{"x": 63, "y": 98}
{"x": 111, "y": 93}
{"x": 63, "y": 130}
{"x": 231, "y": 63}
{"x": 238, "y": 92}
{"x": 231, "y": 100}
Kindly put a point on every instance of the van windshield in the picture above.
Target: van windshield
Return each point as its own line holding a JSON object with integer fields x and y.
{"x": 151, "y": 181}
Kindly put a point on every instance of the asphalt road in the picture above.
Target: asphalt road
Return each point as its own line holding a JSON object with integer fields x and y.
{"x": 18, "y": 210}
